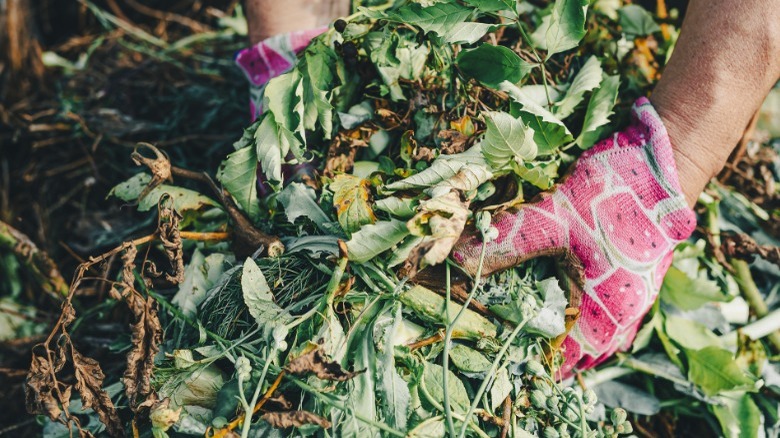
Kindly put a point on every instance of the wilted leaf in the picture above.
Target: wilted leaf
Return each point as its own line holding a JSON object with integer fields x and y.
{"x": 440, "y": 221}
{"x": 299, "y": 200}
{"x": 350, "y": 198}
{"x": 258, "y": 297}
{"x": 89, "y": 384}
{"x": 183, "y": 199}
{"x": 317, "y": 363}
{"x": 281, "y": 420}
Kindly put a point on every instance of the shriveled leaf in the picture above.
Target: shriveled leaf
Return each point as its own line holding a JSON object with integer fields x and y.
{"x": 375, "y": 239}
{"x": 299, "y": 200}
{"x": 258, "y": 297}
{"x": 183, "y": 199}
{"x": 440, "y": 221}
{"x": 317, "y": 363}
{"x": 493, "y": 65}
{"x": 282, "y": 420}
{"x": 89, "y": 384}
{"x": 587, "y": 79}
{"x": 599, "y": 110}
{"x": 238, "y": 173}
{"x": 507, "y": 140}
{"x": 714, "y": 370}
{"x": 351, "y": 200}
{"x": 564, "y": 28}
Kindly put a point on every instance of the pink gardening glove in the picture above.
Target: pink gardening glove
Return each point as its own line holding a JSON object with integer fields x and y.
{"x": 620, "y": 213}
{"x": 270, "y": 58}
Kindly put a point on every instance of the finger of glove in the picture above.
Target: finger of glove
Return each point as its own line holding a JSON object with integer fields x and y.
{"x": 530, "y": 231}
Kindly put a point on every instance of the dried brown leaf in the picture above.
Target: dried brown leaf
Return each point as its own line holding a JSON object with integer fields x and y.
{"x": 89, "y": 384}
{"x": 160, "y": 167}
{"x": 39, "y": 390}
{"x": 317, "y": 363}
{"x": 281, "y": 420}
{"x": 452, "y": 141}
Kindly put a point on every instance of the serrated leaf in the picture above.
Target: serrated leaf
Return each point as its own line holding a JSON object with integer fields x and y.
{"x": 183, "y": 199}
{"x": 565, "y": 26}
{"x": 464, "y": 171}
{"x": 599, "y": 110}
{"x": 238, "y": 174}
{"x": 493, "y": 5}
{"x": 636, "y": 21}
{"x": 714, "y": 370}
{"x": 587, "y": 79}
{"x": 299, "y": 200}
{"x": 448, "y": 20}
{"x": 375, "y": 239}
{"x": 317, "y": 69}
{"x": 269, "y": 150}
{"x": 466, "y": 33}
{"x": 507, "y": 139}
{"x": 492, "y": 65}
{"x": 283, "y": 96}
{"x": 350, "y": 198}
{"x": 553, "y": 132}
{"x": 258, "y": 297}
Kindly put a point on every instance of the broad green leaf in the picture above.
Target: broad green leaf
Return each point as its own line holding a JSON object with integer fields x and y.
{"x": 769, "y": 115}
{"x": 507, "y": 140}
{"x": 548, "y": 136}
{"x": 549, "y": 322}
{"x": 690, "y": 335}
{"x": 565, "y": 26}
{"x": 375, "y": 239}
{"x": 599, "y": 110}
{"x": 738, "y": 416}
{"x": 448, "y": 20}
{"x": 283, "y": 96}
{"x": 500, "y": 388}
{"x": 689, "y": 293}
{"x": 464, "y": 171}
{"x": 350, "y": 198}
{"x": 199, "y": 276}
{"x": 402, "y": 208}
{"x": 540, "y": 174}
{"x": 299, "y": 200}
{"x": 714, "y": 369}
{"x": 319, "y": 77}
{"x": 469, "y": 360}
{"x": 392, "y": 386}
{"x": 431, "y": 428}
{"x": 258, "y": 297}
{"x": 238, "y": 174}
{"x": 493, "y": 5}
{"x": 616, "y": 394}
{"x": 269, "y": 150}
{"x": 588, "y": 78}
{"x": 636, "y": 21}
{"x": 433, "y": 381}
{"x": 493, "y": 65}
{"x": 183, "y": 199}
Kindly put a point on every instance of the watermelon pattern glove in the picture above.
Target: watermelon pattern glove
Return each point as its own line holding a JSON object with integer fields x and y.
{"x": 620, "y": 213}
{"x": 270, "y": 58}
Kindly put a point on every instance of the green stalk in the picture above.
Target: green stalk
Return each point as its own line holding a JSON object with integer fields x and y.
{"x": 446, "y": 359}
{"x": 439, "y": 407}
{"x": 250, "y": 407}
{"x": 538, "y": 59}
{"x": 753, "y": 296}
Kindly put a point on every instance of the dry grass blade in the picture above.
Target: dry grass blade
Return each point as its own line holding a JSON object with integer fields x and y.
{"x": 317, "y": 363}
{"x": 38, "y": 263}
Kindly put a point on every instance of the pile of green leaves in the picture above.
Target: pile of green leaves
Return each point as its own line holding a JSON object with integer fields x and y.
{"x": 396, "y": 129}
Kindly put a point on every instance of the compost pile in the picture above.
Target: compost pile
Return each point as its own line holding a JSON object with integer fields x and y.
{"x": 308, "y": 287}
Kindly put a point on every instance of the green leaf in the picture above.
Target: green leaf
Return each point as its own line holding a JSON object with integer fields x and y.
{"x": 319, "y": 77}
{"x": 258, "y": 297}
{"x": 714, "y": 369}
{"x": 464, "y": 171}
{"x": 689, "y": 293}
{"x": 500, "y": 388}
{"x": 433, "y": 381}
{"x": 538, "y": 173}
{"x": 549, "y": 322}
{"x": 392, "y": 386}
{"x": 689, "y": 334}
{"x": 402, "y": 208}
{"x": 238, "y": 174}
{"x": 429, "y": 306}
{"x": 507, "y": 140}
{"x": 375, "y": 239}
{"x": 269, "y": 150}
{"x": 599, "y": 110}
{"x": 738, "y": 416}
{"x": 588, "y": 78}
{"x": 548, "y": 136}
{"x": 299, "y": 200}
{"x": 566, "y": 26}
{"x": 492, "y": 65}
{"x": 448, "y": 20}
{"x": 199, "y": 276}
{"x": 493, "y": 5}
{"x": 350, "y": 198}
{"x": 183, "y": 199}
{"x": 469, "y": 360}
{"x": 283, "y": 96}
{"x": 636, "y": 21}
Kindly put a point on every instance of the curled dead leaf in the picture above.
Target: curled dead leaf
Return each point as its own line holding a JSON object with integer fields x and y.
{"x": 317, "y": 363}
{"x": 89, "y": 383}
{"x": 282, "y": 420}
{"x": 160, "y": 167}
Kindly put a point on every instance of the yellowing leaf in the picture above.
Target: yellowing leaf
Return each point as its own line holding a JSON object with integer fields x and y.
{"x": 350, "y": 197}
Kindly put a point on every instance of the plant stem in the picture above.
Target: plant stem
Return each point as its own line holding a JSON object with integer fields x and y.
{"x": 446, "y": 355}
{"x": 753, "y": 296}
{"x": 538, "y": 59}
{"x": 248, "y": 411}
{"x": 37, "y": 262}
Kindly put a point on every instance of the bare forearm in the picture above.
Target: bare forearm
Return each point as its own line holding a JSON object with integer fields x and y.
{"x": 725, "y": 62}
{"x": 272, "y": 17}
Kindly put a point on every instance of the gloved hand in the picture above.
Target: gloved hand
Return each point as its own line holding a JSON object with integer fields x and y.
{"x": 620, "y": 212}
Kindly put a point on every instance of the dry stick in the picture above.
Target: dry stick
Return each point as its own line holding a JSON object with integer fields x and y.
{"x": 739, "y": 152}
{"x": 43, "y": 268}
